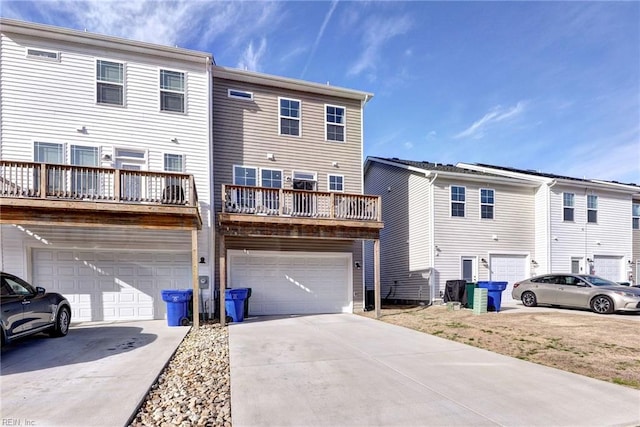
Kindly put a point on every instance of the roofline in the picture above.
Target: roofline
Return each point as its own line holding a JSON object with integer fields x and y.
{"x": 289, "y": 83}
{"x": 592, "y": 183}
{"x": 448, "y": 174}
{"x": 12, "y": 26}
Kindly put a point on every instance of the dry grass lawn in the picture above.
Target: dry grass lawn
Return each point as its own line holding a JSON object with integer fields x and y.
{"x": 602, "y": 347}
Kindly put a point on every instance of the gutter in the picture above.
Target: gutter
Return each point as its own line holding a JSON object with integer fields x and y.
{"x": 432, "y": 227}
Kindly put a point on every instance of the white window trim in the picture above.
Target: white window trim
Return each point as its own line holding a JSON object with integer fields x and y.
{"x": 42, "y": 58}
{"x": 280, "y": 117}
{"x": 65, "y": 149}
{"x": 257, "y": 169}
{"x": 123, "y": 84}
{"x": 315, "y": 175}
{"x": 138, "y": 161}
{"x": 184, "y": 91}
{"x": 451, "y": 201}
{"x": 242, "y": 98}
{"x": 487, "y": 204}
{"x": 82, "y": 144}
{"x": 344, "y": 125}
{"x": 184, "y": 161}
{"x": 569, "y": 207}
{"x": 329, "y": 183}
{"x": 592, "y": 209}
{"x": 634, "y": 216}
{"x": 259, "y": 177}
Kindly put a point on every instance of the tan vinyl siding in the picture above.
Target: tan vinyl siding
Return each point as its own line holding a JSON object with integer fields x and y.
{"x": 513, "y": 224}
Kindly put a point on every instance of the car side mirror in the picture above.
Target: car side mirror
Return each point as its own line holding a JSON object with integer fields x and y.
{"x": 40, "y": 290}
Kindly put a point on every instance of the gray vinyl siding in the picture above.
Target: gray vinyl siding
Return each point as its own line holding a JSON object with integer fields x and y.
{"x": 542, "y": 235}
{"x": 404, "y": 239}
{"x": 513, "y": 224}
{"x": 245, "y": 131}
{"x": 580, "y": 239}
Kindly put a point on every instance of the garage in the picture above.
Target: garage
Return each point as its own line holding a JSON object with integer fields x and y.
{"x": 293, "y": 282}
{"x": 112, "y": 285}
{"x": 510, "y": 269}
{"x": 609, "y": 267}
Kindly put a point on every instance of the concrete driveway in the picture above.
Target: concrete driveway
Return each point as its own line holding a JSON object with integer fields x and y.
{"x": 95, "y": 376}
{"x": 347, "y": 370}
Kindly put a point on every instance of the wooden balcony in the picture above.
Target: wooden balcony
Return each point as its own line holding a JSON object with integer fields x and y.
{"x": 42, "y": 193}
{"x": 260, "y": 211}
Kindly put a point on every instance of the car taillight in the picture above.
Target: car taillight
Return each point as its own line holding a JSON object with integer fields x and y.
{"x": 515, "y": 285}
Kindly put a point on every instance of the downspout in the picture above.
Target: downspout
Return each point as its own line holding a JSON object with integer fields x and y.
{"x": 549, "y": 237}
{"x": 212, "y": 226}
{"x": 432, "y": 286}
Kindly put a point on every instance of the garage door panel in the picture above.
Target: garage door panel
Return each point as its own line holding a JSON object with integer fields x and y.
{"x": 110, "y": 285}
{"x": 608, "y": 267}
{"x": 510, "y": 269}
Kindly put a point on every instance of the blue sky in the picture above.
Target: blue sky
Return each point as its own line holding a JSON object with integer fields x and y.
{"x": 551, "y": 86}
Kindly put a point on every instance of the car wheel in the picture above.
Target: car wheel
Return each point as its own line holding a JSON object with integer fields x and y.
{"x": 602, "y": 304}
{"x": 61, "y": 328}
{"x": 529, "y": 299}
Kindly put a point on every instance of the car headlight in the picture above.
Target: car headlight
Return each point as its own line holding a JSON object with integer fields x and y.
{"x": 627, "y": 294}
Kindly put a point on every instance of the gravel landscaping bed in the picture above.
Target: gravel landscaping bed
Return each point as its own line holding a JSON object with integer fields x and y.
{"x": 194, "y": 389}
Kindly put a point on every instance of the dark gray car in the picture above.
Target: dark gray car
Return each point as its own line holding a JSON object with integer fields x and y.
{"x": 27, "y": 310}
{"x": 577, "y": 290}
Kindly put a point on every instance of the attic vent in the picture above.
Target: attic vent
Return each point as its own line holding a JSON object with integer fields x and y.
{"x": 240, "y": 94}
{"x": 48, "y": 55}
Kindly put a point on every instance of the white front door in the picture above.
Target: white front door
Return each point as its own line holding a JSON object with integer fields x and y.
{"x": 293, "y": 282}
{"x": 510, "y": 269}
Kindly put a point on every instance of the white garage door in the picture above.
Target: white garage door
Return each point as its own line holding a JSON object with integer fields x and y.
{"x": 112, "y": 285}
{"x": 608, "y": 267}
{"x": 510, "y": 269}
{"x": 293, "y": 282}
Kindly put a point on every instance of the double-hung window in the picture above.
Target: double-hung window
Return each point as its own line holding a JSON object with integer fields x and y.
{"x": 592, "y": 208}
{"x": 457, "y": 201}
{"x": 636, "y": 216}
{"x": 335, "y": 122}
{"x": 172, "y": 91}
{"x": 289, "y": 113}
{"x": 109, "y": 82}
{"x": 487, "y": 203}
{"x": 336, "y": 183}
{"x": 568, "y": 205}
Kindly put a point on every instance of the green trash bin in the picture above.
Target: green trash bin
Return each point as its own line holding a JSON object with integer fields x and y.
{"x": 469, "y": 287}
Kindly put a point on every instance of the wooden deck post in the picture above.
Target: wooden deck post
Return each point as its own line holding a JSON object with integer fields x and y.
{"x": 43, "y": 181}
{"x": 194, "y": 278}
{"x": 223, "y": 278}
{"x": 376, "y": 276}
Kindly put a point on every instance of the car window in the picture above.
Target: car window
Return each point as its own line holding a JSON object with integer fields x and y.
{"x": 599, "y": 281}
{"x": 6, "y": 289}
{"x": 19, "y": 288}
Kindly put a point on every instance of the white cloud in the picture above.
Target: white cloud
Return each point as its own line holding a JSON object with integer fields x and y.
{"x": 378, "y": 31}
{"x": 495, "y": 115}
{"x": 327, "y": 18}
{"x": 250, "y": 59}
{"x": 432, "y": 135}
{"x": 408, "y": 145}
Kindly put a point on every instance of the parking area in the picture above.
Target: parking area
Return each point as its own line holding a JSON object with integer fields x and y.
{"x": 95, "y": 376}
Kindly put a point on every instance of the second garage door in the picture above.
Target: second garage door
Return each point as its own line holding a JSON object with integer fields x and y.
{"x": 293, "y": 282}
{"x": 608, "y": 267}
{"x": 510, "y": 269}
{"x": 112, "y": 285}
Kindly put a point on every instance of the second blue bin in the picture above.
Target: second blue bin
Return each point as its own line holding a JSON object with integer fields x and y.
{"x": 494, "y": 293}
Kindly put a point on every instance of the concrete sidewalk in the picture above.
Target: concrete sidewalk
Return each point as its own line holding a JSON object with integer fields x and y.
{"x": 95, "y": 376}
{"x": 347, "y": 370}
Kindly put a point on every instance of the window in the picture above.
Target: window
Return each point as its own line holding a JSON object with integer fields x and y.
{"x": 243, "y": 175}
{"x": 335, "y": 123}
{"x": 48, "y": 152}
{"x": 84, "y": 182}
{"x": 173, "y": 163}
{"x": 336, "y": 183}
{"x": 48, "y": 55}
{"x": 568, "y": 203}
{"x": 592, "y": 208}
{"x": 171, "y": 91}
{"x": 289, "y": 117}
{"x": 457, "y": 201}
{"x": 486, "y": 203}
{"x": 467, "y": 269}
{"x": 240, "y": 94}
{"x": 636, "y": 216}
{"x": 110, "y": 83}
{"x": 271, "y": 178}
{"x": 243, "y": 199}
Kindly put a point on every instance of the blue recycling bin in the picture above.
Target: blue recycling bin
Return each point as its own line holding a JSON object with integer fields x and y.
{"x": 234, "y": 303}
{"x": 177, "y": 303}
{"x": 494, "y": 293}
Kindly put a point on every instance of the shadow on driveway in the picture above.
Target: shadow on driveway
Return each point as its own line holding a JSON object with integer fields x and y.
{"x": 82, "y": 344}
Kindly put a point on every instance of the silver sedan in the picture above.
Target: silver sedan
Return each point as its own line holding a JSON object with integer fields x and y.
{"x": 577, "y": 290}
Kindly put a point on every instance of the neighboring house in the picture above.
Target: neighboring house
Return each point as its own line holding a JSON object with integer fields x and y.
{"x": 105, "y": 168}
{"x": 635, "y": 225}
{"x": 289, "y": 200}
{"x": 445, "y": 223}
{"x": 581, "y": 225}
